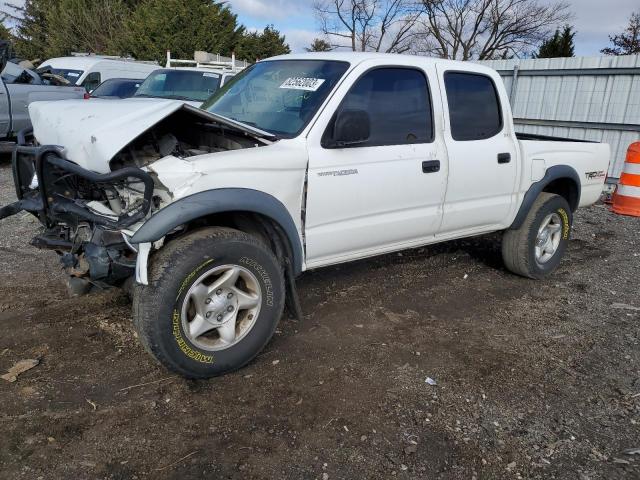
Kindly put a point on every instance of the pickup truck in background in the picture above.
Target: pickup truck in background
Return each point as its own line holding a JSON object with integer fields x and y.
{"x": 299, "y": 162}
{"x": 20, "y": 87}
{"x": 193, "y": 85}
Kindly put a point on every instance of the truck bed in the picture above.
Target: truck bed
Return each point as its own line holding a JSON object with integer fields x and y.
{"x": 547, "y": 138}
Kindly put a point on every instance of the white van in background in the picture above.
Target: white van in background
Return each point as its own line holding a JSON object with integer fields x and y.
{"x": 91, "y": 71}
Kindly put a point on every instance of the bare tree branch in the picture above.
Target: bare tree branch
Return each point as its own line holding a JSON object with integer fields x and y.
{"x": 369, "y": 25}
{"x": 484, "y": 29}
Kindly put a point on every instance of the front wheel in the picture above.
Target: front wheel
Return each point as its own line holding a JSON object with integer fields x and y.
{"x": 536, "y": 248}
{"x": 213, "y": 301}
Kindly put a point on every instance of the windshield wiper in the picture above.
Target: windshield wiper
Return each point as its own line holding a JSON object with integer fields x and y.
{"x": 247, "y": 125}
{"x": 255, "y": 125}
{"x": 179, "y": 97}
{"x": 166, "y": 97}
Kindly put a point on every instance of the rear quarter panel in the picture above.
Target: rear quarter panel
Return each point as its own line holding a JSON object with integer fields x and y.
{"x": 589, "y": 160}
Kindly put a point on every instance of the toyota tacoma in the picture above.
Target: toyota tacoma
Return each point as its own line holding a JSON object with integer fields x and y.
{"x": 299, "y": 162}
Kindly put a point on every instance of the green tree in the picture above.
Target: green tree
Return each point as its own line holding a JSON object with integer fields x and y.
{"x": 560, "y": 45}
{"x": 319, "y": 45}
{"x": 182, "y": 26}
{"x": 93, "y": 26}
{"x": 5, "y": 33}
{"x": 31, "y": 32}
{"x": 260, "y": 45}
{"x": 628, "y": 42}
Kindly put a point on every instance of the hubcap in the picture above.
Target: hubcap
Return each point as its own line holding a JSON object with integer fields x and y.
{"x": 549, "y": 237}
{"x": 221, "y": 307}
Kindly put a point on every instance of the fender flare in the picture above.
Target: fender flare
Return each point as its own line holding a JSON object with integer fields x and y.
{"x": 553, "y": 173}
{"x": 221, "y": 200}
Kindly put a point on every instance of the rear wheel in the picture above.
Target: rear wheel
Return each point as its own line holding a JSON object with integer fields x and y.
{"x": 536, "y": 248}
{"x": 213, "y": 301}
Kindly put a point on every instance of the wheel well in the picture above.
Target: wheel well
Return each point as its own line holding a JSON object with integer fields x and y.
{"x": 566, "y": 188}
{"x": 268, "y": 231}
{"x": 261, "y": 226}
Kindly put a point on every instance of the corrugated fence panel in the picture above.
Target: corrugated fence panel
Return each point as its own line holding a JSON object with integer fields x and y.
{"x": 586, "y": 103}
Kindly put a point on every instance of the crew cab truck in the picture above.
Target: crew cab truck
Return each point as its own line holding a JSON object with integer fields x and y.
{"x": 299, "y": 162}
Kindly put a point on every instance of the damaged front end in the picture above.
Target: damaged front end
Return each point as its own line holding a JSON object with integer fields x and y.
{"x": 84, "y": 213}
{"x": 94, "y": 193}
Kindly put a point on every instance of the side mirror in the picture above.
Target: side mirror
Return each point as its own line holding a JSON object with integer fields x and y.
{"x": 352, "y": 127}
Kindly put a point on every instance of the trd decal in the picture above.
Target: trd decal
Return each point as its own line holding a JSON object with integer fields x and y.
{"x": 593, "y": 175}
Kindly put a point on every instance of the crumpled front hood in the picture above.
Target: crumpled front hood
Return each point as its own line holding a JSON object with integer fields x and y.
{"x": 93, "y": 131}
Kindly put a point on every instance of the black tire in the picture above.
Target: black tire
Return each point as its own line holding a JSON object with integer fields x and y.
{"x": 519, "y": 246}
{"x": 157, "y": 307}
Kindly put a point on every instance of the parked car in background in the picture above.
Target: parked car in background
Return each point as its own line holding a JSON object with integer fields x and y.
{"x": 192, "y": 85}
{"x": 91, "y": 71}
{"x": 20, "y": 87}
{"x": 116, "y": 88}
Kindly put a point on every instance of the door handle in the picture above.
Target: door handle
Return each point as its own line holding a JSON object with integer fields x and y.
{"x": 432, "y": 166}
{"x": 504, "y": 158}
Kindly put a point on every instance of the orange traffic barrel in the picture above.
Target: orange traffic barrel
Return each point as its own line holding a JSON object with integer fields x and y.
{"x": 626, "y": 199}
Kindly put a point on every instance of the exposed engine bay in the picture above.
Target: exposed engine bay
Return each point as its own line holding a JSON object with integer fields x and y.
{"x": 89, "y": 217}
{"x": 183, "y": 136}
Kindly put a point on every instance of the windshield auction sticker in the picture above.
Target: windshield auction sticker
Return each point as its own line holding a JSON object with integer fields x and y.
{"x": 303, "y": 83}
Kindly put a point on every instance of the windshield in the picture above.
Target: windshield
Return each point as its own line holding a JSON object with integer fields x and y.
{"x": 187, "y": 85}
{"x": 117, "y": 88}
{"x": 71, "y": 76}
{"x": 279, "y": 96}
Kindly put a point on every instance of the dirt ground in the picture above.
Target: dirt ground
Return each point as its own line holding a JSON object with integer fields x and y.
{"x": 534, "y": 379}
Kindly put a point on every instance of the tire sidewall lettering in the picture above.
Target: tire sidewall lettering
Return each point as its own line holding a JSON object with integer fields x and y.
{"x": 264, "y": 276}
{"x": 566, "y": 225}
{"x": 183, "y": 344}
{"x": 189, "y": 278}
{"x": 176, "y": 318}
{"x": 564, "y": 214}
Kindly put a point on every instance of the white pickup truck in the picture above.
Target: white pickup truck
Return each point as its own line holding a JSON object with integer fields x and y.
{"x": 300, "y": 162}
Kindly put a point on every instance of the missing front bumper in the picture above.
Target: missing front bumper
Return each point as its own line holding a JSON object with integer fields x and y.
{"x": 58, "y": 190}
{"x": 64, "y": 196}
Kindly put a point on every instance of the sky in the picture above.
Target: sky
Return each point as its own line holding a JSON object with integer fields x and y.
{"x": 594, "y": 20}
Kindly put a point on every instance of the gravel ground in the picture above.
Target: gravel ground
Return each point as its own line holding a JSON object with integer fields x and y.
{"x": 534, "y": 379}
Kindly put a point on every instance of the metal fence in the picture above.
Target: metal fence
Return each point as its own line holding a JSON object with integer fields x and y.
{"x": 587, "y": 98}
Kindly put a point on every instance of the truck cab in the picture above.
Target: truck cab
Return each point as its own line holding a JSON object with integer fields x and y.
{"x": 298, "y": 162}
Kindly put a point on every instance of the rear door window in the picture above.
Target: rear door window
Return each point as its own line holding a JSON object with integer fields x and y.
{"x": 474, "y": 108}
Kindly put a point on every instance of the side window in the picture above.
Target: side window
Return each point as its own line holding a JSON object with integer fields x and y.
{"x": 398, "y": 103}
{"x": 474, "y": 107}
{"x": 92, "y": 81}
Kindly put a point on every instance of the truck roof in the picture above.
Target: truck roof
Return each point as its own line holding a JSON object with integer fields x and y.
{"x": 218, "y": 71}
{"x": 85, "y": 63}
{"x": 355, "y": 58}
